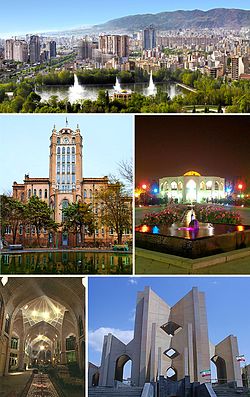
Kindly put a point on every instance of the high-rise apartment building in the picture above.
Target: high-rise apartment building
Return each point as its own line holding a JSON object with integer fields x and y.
{"x": 84, "y": 50}
{"x": 52, "y": 49}
{"x": 8, "y": 53}
{"x": 117, "y": 45}
{"x": 20, "y": 51}
{"x": 237, "y": 67}
{"x": 34, "y": 49}
{"x": 149, "y": 38}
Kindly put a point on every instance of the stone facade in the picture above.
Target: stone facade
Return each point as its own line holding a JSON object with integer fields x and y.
{"x": 168, "y": 341}
{"x": 192, "y": 187}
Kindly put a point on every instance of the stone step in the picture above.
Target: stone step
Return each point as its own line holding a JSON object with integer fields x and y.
{"x": 222, "y": 391}
{"x": 115, "y": 392}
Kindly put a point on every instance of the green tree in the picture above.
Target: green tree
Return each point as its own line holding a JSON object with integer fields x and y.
{"x": 39, "y": 215}
{"x": 117, "y": 208}
{"x": 78, "y": 218}
{"x": 12, "y": 215}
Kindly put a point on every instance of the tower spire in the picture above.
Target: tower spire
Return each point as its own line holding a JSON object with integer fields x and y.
{"x": 67, "y": 123}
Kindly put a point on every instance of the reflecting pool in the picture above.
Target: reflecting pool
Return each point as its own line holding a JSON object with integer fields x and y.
{"x": 66, "y": 262}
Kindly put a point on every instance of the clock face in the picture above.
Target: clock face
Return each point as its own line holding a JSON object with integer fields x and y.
{"x": 65, "y": 140}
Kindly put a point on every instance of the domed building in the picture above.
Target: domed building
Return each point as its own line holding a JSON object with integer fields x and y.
{"x": 192, "y": 187}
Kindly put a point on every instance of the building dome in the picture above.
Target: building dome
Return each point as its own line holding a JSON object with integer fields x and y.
{"x": 192, "y": 173}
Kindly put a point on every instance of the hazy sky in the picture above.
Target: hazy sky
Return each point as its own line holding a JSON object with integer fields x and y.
{"x": 112, "y": 303}
{"x": 28, "y": 16}
{"x": 25, "y": 140}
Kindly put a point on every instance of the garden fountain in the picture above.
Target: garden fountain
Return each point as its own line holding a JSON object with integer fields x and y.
{"x": 76, "y": 92}
{"x": 190, "y": 238}
{"x": 151, "y": 90}
{"x": 117, "y": 86}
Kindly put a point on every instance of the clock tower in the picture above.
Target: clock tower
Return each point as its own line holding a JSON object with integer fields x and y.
{"x": 65, "y": 169}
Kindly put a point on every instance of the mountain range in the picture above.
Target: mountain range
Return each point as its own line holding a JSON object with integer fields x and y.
{"x": 195, "y": 19}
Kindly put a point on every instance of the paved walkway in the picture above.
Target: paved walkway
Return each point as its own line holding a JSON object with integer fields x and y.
{"x": 42, "y": 387}
{"x": 13, "y": 384}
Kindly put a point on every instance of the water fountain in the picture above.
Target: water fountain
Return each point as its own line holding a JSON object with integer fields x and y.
{"x": 117, "y": 86}
{"x": 151, "y": 90}
{"x": 192, "y": 239}
{"x": 76, "y": 92}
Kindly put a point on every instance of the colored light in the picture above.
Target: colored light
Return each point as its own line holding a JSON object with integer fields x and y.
{"x": 155, "y": 230}
{"x": 155, "y": 190}
{"x": 145, "y": 229}
{"x": 240, "y": 228}
{"x": 144, "y": 186}
{"x": 228, "y": 190}
{"x": 240, "y": 186}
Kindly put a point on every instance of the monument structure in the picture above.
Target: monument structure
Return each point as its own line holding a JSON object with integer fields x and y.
{"x": 168, "y": 341}
{"x": 192, "y": 187}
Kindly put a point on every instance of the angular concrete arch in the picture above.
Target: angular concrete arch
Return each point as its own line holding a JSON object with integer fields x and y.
{"x": 120, "y": 363}
{"x": 167, "y": 337}
{"x": 221, "y": 369}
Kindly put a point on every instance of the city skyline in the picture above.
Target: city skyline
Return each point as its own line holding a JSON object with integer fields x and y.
{"x": 30, "y": 135}
{"x": 87, "y": 15}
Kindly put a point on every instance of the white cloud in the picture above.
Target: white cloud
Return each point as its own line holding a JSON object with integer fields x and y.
{"x": 132, "y": 315}
{"x": 96, "y": 336}
{"x": 132, "y": 281}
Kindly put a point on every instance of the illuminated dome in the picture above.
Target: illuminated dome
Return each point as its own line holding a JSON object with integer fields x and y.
{"x": 192, "y": 173}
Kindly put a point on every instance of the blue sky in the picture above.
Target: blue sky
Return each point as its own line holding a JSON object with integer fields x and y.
{"x": 24, "y": 144}
{"x": 27, "y": 16}
{"x": 112, "y": 303}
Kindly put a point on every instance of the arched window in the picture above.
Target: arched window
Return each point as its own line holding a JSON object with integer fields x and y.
{"x": 63, "y": 150}
{"x": 68, "y": 150}
{"x": 161, "y": 187}
{"x": 180, "y": 185}
{"x": 85, "y": 193}
{"x": 58, "y": 150}
{"x": 65, "y": 204}
{"x": 209, "y": 185}
{"x": 173, "y": 185}
{"x": 40, "y": 193}
{"x": 216, "y": 186}
{"x": 29, "y": 193}
{"x": 202, "y": 185}
{"x": 20, "y": 230}
{"x": 22, "y": 196}
{"x": 73, "y": 143}
{"x": 90, "y": 193}
{"x": 45, "y": 193}
{"x": 166, "y": 187}
{"x": 34, "y": 192}
{"x": 58, "y": 141}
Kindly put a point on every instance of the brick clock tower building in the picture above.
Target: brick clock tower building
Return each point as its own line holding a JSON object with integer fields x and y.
{"x": 64, "y": 186}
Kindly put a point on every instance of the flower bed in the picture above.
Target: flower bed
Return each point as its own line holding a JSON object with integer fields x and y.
{"x": 169, "y": 215}
{"x": 215, "y": 214}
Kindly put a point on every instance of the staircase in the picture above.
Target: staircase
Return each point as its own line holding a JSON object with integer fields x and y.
{"x": 225, "y": 391}
{"x": 100, "y": 391}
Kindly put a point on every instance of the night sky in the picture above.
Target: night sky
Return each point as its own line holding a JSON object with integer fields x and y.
{"x": 211, "y": 145}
